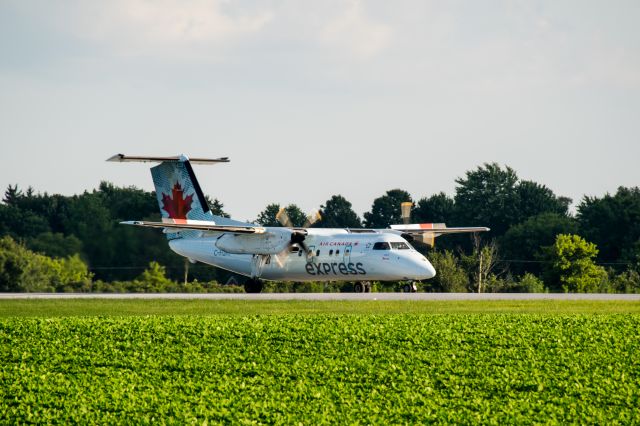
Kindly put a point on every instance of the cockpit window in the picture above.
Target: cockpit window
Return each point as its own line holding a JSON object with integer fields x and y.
{"x": 399, "y": 246}
{"x": 381, "y": 246}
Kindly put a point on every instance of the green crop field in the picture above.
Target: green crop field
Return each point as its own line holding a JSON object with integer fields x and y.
{"x": 319, "y": 366}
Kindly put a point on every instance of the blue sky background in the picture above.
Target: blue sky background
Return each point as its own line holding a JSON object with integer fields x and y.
{"x": 311, "y": 99}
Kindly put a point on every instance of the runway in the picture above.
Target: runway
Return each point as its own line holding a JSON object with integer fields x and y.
{"x": 327, "y": 296}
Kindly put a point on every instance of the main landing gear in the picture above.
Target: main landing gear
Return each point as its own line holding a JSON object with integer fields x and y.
{"x": 410, "y": 287}
{"x": 362, "y": 287}
{"x": 253, "y": 285}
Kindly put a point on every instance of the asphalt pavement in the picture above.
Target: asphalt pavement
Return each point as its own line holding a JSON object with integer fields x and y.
{"x": 327, "y": 296}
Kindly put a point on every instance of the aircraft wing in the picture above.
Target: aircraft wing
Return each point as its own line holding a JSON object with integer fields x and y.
{"x": 436, "y": 229}
{"x": 426, "y": 233}
{"x": 197, "y": 225}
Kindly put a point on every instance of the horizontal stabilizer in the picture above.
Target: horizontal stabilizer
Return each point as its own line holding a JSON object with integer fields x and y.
{"x": 121, "y": 158}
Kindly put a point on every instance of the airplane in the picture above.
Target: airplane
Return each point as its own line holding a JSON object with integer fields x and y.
{"x": 285, "y": 253}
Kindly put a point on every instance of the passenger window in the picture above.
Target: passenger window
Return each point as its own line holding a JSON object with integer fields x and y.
{"x": 330, "y": 252}
{"x": 337, "y": 252}
{"x": 381, "y": 246}
{"x": 318, "y": 252}
{"x": 300, "y": 253}
{"x": 399, "y": 246}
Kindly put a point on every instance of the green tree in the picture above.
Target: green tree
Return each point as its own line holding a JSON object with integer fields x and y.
{"x": 522, "y": 245}
{"x": 627, "y": 282}
{"x": 450, "y": 276}
{"x": 530, "y": 283}
{"x": 337, "y": 213}
{"x": 268, "y": 216}
{"x": 154, "y": 280}
{"x": 613, "y": 223}
{"x": 572, "y": 268}
{"x": 13, "y": 262}
{"x": 494, "y": 197}
{"x": 12, "y": 195}
{"x": 24, "y": 270}
{"x": 217, "y": 208}
{"x": 487, "y": 196}
{"x": 481, "y": 266}
{"x": 20, "y": 223}
{"x": 535, "y": 199}
{"x": 439, "y": 208}
{"x": 55, "y": 244}
{"x": 385, "y": 210}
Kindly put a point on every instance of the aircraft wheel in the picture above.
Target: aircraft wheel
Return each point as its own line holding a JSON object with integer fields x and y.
{"x": 253, "y": 286}
{"x": 358, "y": 288}
{"x": 406, "y": 288}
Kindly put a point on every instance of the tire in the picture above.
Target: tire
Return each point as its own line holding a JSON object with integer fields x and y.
{"x": 406, "y": 288}
{"x": 358, "y": 288}
{"x": 253, "y": 286}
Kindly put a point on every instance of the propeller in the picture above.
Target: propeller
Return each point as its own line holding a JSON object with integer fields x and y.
{"x": 283, "y": 218}
{"x": 312, "y": 218}
{"x": 297, "y": 236}
{"x": 405, "y": 211}
{"x": 285, "y": 221}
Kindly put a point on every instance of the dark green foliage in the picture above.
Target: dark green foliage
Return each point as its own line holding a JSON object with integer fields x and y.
{"x": 487, "y": 196}
{"x": 570, "y": 266}
{"x": 113, "y": 251}
{"x": 216, "y": 206}
{"x": 268, "y": 216}
{"x": 612, "y": 223}
{"x": 55, "y": 245}
{"x": 385, "y": 210}
{"x": 19, "y": 223}
{"x": 337, "y": 213}
{"x": 535, "y": 199}
{"x": 439, "y": 208}
{"x": 321, "y": 369}
{"x": 450, "y": 275}
{"x": 22, "y": 270}
{"x": 494, "y": 197}
{"x": 522, "y": 244}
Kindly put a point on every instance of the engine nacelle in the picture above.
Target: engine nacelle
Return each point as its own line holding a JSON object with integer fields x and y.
{"x": 271, "y": 242}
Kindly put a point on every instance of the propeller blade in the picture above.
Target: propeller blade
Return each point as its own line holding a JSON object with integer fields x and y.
{"x": 405, "y": 209}
{"x": 283, "y": 218}
{"x": 312, "y": 218}
{"x": 282, "y": 257}
{"x": 428, "y": 239}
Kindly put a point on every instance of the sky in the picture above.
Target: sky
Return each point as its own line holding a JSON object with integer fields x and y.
{"x": 315, "y": 98}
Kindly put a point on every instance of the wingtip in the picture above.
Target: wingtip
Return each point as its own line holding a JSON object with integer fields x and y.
{"x": 116, "y": 158}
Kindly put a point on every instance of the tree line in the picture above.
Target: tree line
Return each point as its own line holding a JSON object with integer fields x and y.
{"x": 535, "y": 244}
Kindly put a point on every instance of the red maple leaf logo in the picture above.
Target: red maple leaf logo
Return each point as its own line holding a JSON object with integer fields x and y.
{"x": 176, "y": 206}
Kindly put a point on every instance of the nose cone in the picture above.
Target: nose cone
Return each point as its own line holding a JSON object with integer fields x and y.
{"x": 420, "y": 267}
{"x": 428, "y": 270}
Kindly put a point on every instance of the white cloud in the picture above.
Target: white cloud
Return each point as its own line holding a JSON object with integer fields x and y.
{"x": 167, "y": 26}
{"x": 354, "y": 31}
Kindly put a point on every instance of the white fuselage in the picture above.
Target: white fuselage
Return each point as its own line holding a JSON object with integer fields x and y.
{"x": 335, "y": 255}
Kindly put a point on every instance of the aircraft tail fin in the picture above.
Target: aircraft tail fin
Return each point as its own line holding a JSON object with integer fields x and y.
{"x": 179, "y": 195}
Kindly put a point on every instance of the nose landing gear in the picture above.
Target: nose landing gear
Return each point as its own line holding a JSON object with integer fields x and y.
{"x": 410, "y": 287}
